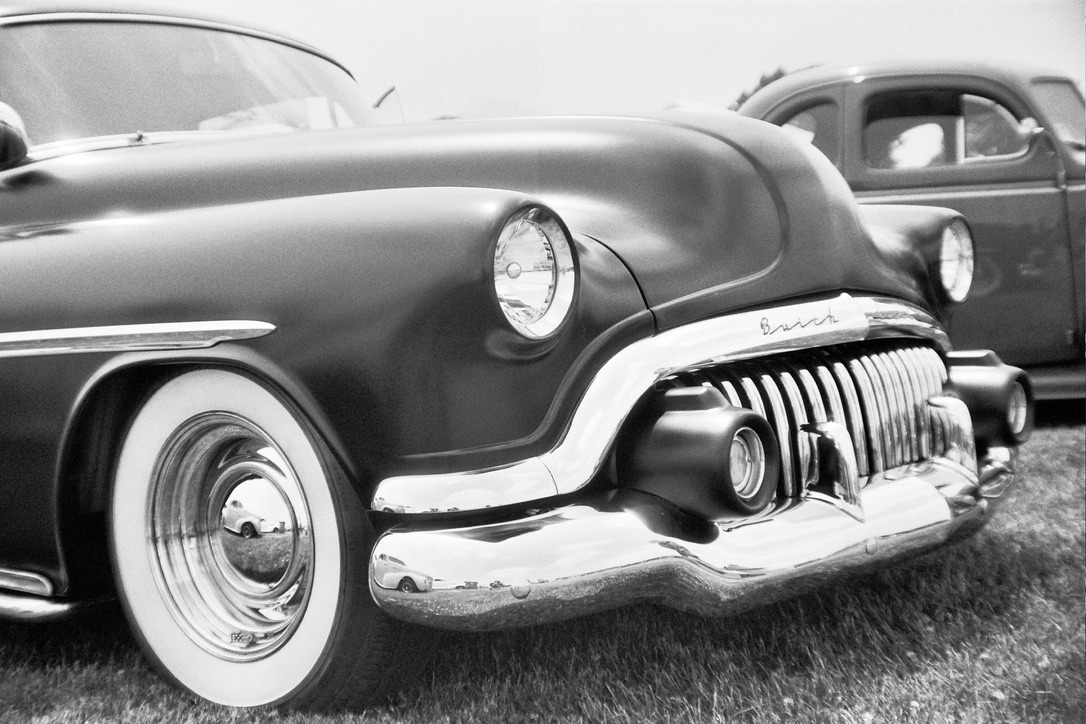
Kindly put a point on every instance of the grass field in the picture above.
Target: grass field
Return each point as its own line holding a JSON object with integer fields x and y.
{"x": 990, "y": 630}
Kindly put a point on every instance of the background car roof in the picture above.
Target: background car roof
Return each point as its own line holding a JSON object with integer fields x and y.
{"x": 1012, "y": 75}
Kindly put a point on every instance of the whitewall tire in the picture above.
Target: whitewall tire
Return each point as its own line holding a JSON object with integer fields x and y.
{"x": 281, "y": 617}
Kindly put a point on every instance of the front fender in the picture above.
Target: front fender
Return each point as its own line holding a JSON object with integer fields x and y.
{"x": 383, "y": 305}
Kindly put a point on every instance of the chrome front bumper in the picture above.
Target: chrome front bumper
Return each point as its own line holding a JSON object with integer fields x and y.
{"x": 593, "y": 556}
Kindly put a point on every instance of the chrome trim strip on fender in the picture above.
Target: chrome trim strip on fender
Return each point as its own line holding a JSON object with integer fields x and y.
{"x": 25, "y": 582}
{"x": 129, "y": 337}
{"x": 29, "y": 609}
{"x": 624, "y": 378}
{"x": 926, "y": 195}
{"x": 589, "y": 557}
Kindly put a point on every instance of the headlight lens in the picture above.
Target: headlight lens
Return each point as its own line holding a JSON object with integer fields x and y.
{"x": 1018, "y": 409}
{"x": 956, "y": 261}
{"x": 534, "y": 273}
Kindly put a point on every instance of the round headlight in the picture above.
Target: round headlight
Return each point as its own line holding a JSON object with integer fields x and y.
{"x": 534, "y": 273}
{"x": 1018, "y": 409}
{"x": 956, "y": 261}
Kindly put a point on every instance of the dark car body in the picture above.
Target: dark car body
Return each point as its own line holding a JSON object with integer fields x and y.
{"x": 745, "y": 386}
{"x": 1018, "y": 173}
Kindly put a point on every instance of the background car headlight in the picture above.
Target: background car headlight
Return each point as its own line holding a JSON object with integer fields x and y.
{"x": 956, "y": 260}
{"x": 534, "y": 273}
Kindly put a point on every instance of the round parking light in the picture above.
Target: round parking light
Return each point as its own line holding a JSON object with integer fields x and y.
{"x": 749, "y": 482}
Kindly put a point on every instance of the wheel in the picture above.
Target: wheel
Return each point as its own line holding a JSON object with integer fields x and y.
{"x": 274, "y": 620}
{"x": 408, "y": 586}
{"x": 248, "y": 531}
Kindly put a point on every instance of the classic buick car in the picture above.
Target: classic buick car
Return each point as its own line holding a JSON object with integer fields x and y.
{"x": 548, "y": 366}
{"x": 1004, "y": 146}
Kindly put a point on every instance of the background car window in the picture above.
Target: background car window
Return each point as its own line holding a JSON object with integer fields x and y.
{"x": 818, "y": 126}
{"x": 921, "y": 129}
{"x": 990, "y": 129}
{"x": 1066, "y": 110}
{"x": 913, "y": 129}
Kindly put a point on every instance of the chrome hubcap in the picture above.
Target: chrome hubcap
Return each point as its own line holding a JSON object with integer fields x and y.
{"x": 230, "y": 538}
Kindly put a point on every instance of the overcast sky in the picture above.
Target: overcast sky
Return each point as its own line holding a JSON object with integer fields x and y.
{"x": 501, "y": 57}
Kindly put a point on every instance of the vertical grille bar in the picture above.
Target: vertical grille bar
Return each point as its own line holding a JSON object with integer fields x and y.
{"x": 754, "y": 397}
{"x": 785, "y": 438}
{"x": 912, "y": 387}
{"x": 875, "y": 411}
{"x": 855, "y": 418}
{"x": 804, "y": 444}
{"x": 903, "y": 410}
{"x": 814, "y": 396}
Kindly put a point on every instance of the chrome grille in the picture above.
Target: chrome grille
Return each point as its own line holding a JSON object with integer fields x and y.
{"x": 878, "y": 391}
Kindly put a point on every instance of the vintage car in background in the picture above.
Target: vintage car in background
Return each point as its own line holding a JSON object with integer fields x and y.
{"x": 236, "y": 519}
{"x": 390, "y": 572}
{"x": 1006, "y": 147}
{"x": 546, "y": 366}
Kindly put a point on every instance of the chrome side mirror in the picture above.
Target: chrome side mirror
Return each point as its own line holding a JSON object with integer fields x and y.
{"x": 13, "y": 139}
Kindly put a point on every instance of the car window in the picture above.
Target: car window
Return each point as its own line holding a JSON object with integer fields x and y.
{"x": 817, "y": 125}
{"x": 76, "y": 80}
{"x": 922, "y": 129}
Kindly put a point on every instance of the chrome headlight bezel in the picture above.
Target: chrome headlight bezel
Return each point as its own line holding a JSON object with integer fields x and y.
{"x": 957, "y": 258}
{"x": 535, "y": 273}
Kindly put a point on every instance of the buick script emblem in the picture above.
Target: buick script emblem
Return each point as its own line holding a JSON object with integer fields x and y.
{"x": 768, "y": 328}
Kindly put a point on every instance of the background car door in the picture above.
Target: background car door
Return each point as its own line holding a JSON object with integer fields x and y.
{"x": 969, "y": 146}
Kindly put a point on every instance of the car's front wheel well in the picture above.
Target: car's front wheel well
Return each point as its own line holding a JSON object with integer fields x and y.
{"x": 86, "y": 469}
{"x": 92, "y": 443}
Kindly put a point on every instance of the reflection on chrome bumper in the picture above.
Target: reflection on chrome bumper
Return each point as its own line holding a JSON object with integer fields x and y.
{"x": 591, "y": 557}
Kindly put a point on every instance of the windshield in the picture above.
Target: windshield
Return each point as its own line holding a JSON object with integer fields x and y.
{"x": 1065, "y": 108}
{"x": 71, "y": 80}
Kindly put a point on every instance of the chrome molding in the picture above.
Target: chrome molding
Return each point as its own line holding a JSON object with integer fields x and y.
{"x": 38, "y": 610}
{"x": 624, "y": 378}
{"x": 881, "y": 197}
{"x": 585, "y": 558}
{"x": 25, "y": 582}
{"x": 891, "y": 315}
{"x": 56, "y": 149}
{"x": 129, "y": 337}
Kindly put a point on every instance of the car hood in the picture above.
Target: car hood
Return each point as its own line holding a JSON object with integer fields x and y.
{"x": 699, "y": 207}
